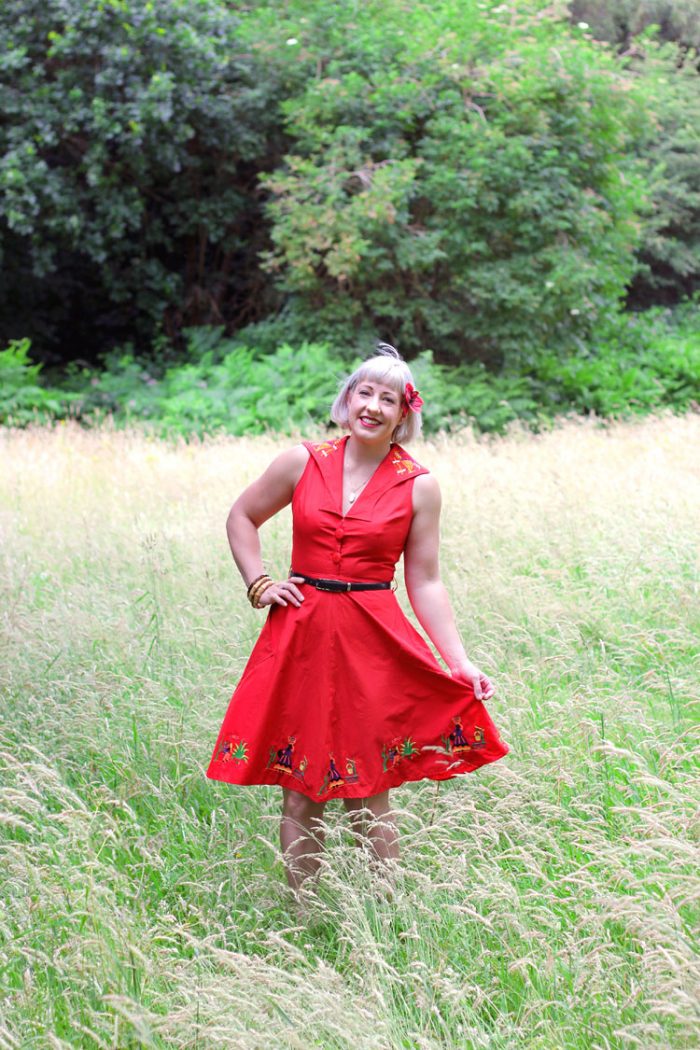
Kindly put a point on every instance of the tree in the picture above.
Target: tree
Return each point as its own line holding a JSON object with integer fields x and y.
{"x": 131, "y": 137}
{"x": 659, "y": 41}
{"x": 458, "y": 178}
{"x": 669, "y": 252}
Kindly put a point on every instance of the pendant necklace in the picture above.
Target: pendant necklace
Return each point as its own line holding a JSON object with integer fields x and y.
{"x": 352, "y": 496}
{"x": 357, "y": 489}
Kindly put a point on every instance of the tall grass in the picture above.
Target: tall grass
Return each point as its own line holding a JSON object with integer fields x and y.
{"x": 548, "y": 901}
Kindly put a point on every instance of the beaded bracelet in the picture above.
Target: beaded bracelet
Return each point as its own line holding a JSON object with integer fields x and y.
{"x": 262, "y": 576}
{"x": 255, "y": 600}
{"x": 257, "y": 588}
{"x": 257, "y": 585}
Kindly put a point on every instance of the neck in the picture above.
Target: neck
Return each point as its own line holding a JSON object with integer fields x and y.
{"x": 366, "y": 452}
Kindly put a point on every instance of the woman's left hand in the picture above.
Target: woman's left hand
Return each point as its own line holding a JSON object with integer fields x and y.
{"x": 468, "y": 673}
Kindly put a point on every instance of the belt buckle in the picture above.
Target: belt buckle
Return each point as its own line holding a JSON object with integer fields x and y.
{"x": 325, "y": 585}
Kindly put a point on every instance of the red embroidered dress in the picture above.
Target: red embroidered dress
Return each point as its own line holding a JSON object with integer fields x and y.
{"x": 342, "y": 697}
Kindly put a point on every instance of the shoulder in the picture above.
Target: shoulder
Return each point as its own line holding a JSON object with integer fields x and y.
{"x": 295, "y": 456}
{"x": 321, "y": 450}
{"x": 426, "y": 494}
{"x": 289, "y": 465}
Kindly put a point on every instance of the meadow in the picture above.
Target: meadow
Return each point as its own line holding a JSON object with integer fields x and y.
{"x": 548, "y": 901}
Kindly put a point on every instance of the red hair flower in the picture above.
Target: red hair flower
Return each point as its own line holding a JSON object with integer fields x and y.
{"x": 413, "y": 399}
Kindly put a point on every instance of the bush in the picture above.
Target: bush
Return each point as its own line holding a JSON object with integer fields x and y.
{"x": 457, "y": 179}
{"x": 22, "y": 398}
{"x": 221, "y": 386}
{"x": 472, "y": 177}
{"x": 669, "y": 251}
{"x": 129, "y": 139}
{"x": 640, "y": 363}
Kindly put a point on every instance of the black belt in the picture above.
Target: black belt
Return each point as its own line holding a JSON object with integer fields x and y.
{"x": 342, "y": 585}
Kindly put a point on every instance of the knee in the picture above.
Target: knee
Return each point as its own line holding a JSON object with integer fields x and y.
{"x": 301, "y": 808}
{"x": 379, "y": 805}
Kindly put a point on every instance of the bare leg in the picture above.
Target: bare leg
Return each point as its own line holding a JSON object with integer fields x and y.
{"x": 383, "y": 836}
{"x": 300, "y": 836}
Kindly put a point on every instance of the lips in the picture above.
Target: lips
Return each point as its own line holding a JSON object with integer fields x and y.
{"x": 367, "y": 422}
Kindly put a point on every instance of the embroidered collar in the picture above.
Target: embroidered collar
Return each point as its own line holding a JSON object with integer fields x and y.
{"x": 396, "y": 467}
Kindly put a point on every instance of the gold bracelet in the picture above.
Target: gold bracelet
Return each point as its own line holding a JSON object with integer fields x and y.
{"x": 260, "y": 592}
{"x": 256, "y": 589}
{"x": 256, "y": 584}
{"x": 262, "y": 576}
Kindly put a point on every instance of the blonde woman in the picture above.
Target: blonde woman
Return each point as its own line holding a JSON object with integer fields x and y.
{"x": 341, "y": 696}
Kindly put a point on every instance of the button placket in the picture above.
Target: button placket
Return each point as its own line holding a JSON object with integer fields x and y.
{"x": 338, "y": 553}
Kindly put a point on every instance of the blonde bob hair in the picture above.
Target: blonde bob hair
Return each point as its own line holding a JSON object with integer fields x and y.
{"x": 388, "y": 367}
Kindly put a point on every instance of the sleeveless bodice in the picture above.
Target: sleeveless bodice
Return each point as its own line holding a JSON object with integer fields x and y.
{"x": 366, "y": 543}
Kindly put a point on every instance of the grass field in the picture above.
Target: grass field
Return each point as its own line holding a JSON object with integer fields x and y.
{"x": 547, "y": 901}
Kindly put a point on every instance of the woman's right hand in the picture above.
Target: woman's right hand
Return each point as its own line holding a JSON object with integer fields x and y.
{"x": 284, "y": 593}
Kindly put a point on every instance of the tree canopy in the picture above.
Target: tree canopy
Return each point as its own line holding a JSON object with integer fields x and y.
{"x": 484, "y": 179}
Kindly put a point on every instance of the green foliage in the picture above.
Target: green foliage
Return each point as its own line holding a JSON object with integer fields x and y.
{"x": 619, "y": 21}
{"x": 221, "y": 387}
{"x": 233, "y": 389}
{"x": 470, "y": 394}
{"x": 22, "y": 399}
{"x": 127, "y": 130}
{"x": 481, "y": 178}
{"x": 464, "y": 186}
{"x": 669, "y": 253}
{"x": 659, "y": 41}
{"x": 639, "y": 364}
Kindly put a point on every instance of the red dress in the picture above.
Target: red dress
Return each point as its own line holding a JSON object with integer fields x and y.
{"x": 342, "y": 697}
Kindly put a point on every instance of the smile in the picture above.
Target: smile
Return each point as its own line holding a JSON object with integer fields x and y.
{"x": 367, "y": 422}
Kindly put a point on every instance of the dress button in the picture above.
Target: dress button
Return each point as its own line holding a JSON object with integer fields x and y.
{"x": 336, "y": 558}
{"x": 339, "y": 533}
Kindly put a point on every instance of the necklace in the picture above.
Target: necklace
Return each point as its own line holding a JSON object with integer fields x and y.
{"x": 355, "y": 490}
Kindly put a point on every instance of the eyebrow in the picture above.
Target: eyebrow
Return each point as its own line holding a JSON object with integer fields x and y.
{"x": 387, "y": 391}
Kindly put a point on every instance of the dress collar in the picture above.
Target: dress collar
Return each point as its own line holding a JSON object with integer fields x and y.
{"x": 396, "y": 467}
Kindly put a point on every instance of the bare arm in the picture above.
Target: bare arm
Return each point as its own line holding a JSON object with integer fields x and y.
{"x": 426, "y": 591}
{"x": 261, "y": 500}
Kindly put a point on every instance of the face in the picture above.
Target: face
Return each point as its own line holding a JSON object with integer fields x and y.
{"x": 374, "y": 411}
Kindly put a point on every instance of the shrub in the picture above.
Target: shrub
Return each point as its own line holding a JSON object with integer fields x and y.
{"x": 640, "y": 363}
{"x": 22, "y": 398}
{"x": 129, "y": 137}
{"x": 457, "y": 179}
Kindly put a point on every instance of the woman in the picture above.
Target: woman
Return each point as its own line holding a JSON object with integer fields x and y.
{"x": 341, "y": 696}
